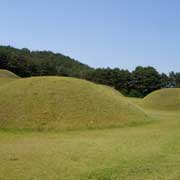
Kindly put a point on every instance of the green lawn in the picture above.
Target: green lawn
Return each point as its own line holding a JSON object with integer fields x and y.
{"x": 149, "y": 151}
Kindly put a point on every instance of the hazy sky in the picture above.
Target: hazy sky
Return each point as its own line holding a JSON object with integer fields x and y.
{"x": 100, "y": 33}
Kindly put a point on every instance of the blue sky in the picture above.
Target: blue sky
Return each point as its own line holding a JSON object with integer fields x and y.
{"x": 100, "y": 33}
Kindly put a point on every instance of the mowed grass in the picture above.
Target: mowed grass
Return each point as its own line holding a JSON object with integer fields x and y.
{"x": 147, "y": 152}
{"x": 61, "y": 103}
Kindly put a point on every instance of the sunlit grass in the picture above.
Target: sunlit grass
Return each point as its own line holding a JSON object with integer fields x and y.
{"x": 127, "y": 139}
{"x": 164, "y": 99}
{"x": 146, "y": 152}
{"x": 61, "y": 103}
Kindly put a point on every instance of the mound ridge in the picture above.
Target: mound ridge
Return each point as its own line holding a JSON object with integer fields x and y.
{"x": 6, "y": 77}
{"x": 7, "y": 74}
{"x": 63, "y": 103}
{"x": 164, "y": 99}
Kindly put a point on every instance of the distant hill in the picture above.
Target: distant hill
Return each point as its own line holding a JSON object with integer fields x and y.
{"x": 26, "y": 63}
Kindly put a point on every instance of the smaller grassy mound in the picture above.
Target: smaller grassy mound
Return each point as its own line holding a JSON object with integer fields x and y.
{"x": 64, "y": 103}
{"x": 7, "y": 74}
{"x": 164, "y": 99}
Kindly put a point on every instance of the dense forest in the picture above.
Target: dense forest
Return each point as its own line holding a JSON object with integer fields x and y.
{"x": 137, "y": 83}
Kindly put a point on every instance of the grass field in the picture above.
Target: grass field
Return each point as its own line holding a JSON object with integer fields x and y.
{"x": 130, "y": 138}
{"x": 149, "y": 151}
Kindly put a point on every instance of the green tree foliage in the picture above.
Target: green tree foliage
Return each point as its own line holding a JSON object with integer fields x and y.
{"x": 145, "y": 80}
{"x": 178, "y": 80}
{"x": 165, "y": 81}
{"x": 122, "y": 80}
{"x": 138, "y": 83}
{"x": 37, "y": 63}
{"x": 174, "y": 79}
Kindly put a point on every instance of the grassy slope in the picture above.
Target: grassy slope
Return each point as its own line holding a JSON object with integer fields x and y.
{"x": 7, "y": 74}
{"x": 64, "y": 103}
{"x": 164, "y": 99}
{"x": 148, "y": 152}
{"x": 6, "y": 77}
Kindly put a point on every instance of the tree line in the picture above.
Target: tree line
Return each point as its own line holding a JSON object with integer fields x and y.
{"x": 138, "y": 83}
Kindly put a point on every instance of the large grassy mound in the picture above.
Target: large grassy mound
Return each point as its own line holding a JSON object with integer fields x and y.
{"x": 164, "y": 99}
{"x": 63, "y": 103}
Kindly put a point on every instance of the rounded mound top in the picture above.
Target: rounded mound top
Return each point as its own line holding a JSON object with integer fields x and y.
{"x": 63, "y": 103}
{"x": 6, "y": 77}
{"x": 7, "y": 74}
{"x": 164, "y": 99}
